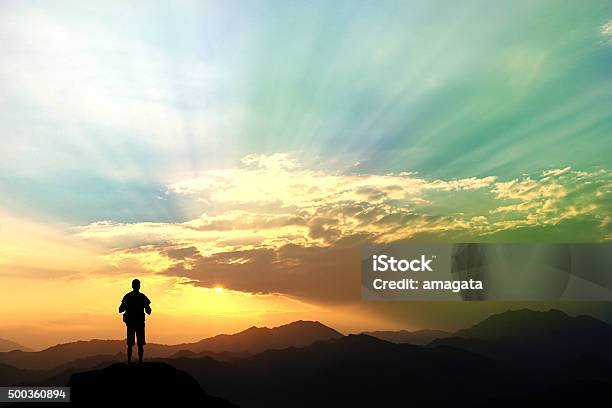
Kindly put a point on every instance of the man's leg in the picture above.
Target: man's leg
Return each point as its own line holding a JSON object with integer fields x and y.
{"x": 129, "y": 353}
{"x": 140, "y": 340}
{"x": 130, "y": 343}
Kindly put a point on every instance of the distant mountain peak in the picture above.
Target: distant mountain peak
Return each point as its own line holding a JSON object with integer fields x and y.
{"x": 419, "y": 337}
{"x": 526, "y": 311}
{"x": 519, "y": 314}
{"x": 526, "y": 323}
{"x": 296, "y": 323}
{"x": 362, "y": 339}
{"x": 9, "y": 345}
{"x": 257, "y": 339}
{"x": 307, "y": 324}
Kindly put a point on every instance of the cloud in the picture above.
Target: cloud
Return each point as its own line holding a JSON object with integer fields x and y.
{"x": 606, "y": 30}
{"x": 273, "y": 225}
{"x": 557, "y": 195}
{"x": 279, "y": 181}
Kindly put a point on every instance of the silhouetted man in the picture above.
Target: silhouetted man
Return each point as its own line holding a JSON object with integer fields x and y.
{"x": 135, "y": 304}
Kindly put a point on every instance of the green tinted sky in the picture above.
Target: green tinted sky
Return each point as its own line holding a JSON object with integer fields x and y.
{"x": 136, "y": 96}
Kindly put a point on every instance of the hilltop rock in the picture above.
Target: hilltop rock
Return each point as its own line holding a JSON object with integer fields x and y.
{"x": 120, "y": 384}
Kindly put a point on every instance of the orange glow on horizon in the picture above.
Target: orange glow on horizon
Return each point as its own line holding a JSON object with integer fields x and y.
{"x": 57, "y": 289}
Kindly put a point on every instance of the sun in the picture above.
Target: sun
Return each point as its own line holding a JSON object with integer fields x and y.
{"x": 218, "y": 289}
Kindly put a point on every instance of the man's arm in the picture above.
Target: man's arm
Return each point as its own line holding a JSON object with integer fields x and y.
{"x": 147, "y": 306}
{"x": 123, "y": 305}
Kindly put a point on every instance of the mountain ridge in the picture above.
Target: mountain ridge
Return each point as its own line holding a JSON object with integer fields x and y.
{"x": 223, "y": 346}
{"x": 520, "y": 337}
{"x": 9, "y": 345}
{"x": 359, "y": 369}
{"x": 420, "y": 337}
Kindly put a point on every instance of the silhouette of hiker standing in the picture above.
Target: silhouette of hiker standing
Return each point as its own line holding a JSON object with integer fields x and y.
{"x": 135, "y": 304}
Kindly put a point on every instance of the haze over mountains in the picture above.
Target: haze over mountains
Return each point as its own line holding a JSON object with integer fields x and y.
{"x": 420, "y": 337}
{"x": 506, "y": 357}
{"x": 525, "y": 336}
{"x": 8, "y": 345}
{"x": 250, "y": 341}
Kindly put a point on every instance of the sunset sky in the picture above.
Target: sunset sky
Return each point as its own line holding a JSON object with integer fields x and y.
{"x": 236, "y": 155}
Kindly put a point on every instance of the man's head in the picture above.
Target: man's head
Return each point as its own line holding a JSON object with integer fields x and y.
{"x": 136, "y": 285}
